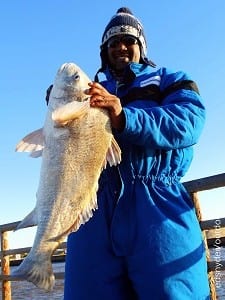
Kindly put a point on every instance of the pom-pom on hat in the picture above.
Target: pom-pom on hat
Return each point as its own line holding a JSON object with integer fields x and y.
{"x": 124, "y": 22}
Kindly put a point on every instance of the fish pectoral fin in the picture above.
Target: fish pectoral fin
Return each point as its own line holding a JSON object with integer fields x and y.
{"x": 70, "y": 111}
{"x": 113, "y": 155}
{"x": 30, "y": 220}
{"x": 33, "y": 142}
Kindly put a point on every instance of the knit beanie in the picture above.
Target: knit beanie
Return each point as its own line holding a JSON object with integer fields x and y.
{"x": 124, "y": 22}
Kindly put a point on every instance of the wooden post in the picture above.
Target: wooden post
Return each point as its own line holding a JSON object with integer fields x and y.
{"x": 211, "y": 278}
{"x": 5, "y": 266}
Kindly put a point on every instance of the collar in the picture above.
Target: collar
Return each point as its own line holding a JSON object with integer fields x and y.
{"x": 130, "y": 73}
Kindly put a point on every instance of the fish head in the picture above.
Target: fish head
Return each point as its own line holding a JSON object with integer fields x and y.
{"x": 69, "y": 85}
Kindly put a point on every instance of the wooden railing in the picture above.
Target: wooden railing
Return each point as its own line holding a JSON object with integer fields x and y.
{"x": 193, "y": 187}
{"x": 7, "y": 257}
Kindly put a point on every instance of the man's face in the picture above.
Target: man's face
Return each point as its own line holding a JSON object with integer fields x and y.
{"x": 122, "y": 49}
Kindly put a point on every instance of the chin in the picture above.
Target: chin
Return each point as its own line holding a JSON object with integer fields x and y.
{"x": 121, "y": 65}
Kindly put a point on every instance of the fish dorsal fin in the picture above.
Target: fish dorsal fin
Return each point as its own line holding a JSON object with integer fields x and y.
{"x": 33, "y": 143}
{"x": 113, "y": 155}
{"x": 70, "y": 111}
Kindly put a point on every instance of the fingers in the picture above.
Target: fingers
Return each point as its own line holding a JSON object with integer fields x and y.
{"x": 99, "y": 95}
{"x": 94, "y": 84}
{"x": 100, "y": 101}
{"x": 96, "y": 89}
{"x": 101, "y": 98}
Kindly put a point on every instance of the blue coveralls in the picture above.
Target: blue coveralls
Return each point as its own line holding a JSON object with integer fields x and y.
{"x": 144, "y": 241}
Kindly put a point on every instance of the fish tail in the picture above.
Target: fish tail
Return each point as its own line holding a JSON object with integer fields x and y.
{"x": 40, "y": 274}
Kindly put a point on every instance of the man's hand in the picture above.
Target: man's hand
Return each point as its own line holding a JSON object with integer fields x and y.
{"x": 101, "y": 98}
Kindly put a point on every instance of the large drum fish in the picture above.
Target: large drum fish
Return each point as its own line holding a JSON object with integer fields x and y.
{"x": 76, "y": 142}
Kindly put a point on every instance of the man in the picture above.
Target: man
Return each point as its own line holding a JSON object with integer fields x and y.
{"x": 144, "y": 241}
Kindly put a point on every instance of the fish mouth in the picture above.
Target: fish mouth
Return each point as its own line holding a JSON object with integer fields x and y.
{"x": 70, "y": 90}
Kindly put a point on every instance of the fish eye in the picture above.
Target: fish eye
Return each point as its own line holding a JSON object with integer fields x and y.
{"x": 76, "y": 76}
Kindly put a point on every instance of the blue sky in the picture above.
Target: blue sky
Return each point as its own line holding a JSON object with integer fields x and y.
{"x": 38, "y": 36}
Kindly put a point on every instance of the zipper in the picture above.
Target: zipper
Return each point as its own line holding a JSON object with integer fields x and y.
{"x": 117, "y": 86}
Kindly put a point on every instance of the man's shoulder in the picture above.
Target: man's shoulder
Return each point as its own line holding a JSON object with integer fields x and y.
{"x": 175, "y": 74}
{"x": 169, "y": 76}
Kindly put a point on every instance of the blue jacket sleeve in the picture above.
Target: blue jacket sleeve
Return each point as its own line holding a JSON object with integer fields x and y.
{"x": 176, "y": 123}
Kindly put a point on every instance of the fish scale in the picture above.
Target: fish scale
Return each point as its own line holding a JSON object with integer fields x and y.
{"x": 75, "y": 143}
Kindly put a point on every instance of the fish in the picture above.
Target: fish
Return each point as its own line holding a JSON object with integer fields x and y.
{"x": 75, "y": 143}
